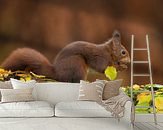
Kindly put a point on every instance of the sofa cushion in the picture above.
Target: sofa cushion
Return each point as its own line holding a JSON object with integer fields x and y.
{"x": 16, "y": 95}
{"x": 80, "y": 109}
{"x": 111, "y": 88}
{"x": 55, "y": 92}
{"x": 18, "y": 84}
{"x": 5, "y": 85}
{"x": 26, "y": 109}
{"x": 91, "y": 91}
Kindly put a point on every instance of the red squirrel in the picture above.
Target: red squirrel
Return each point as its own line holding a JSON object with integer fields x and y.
{"x": 72, "y": 62}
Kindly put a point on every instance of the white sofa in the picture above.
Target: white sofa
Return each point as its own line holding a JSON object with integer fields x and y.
{"x": 64, "y": 113}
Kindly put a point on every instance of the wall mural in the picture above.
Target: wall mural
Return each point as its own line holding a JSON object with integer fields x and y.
{"x": 37, "y": 42}
{"x": 72, "y": 62}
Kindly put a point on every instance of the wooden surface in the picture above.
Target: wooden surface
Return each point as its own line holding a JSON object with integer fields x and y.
{"x": 148, "y": 126}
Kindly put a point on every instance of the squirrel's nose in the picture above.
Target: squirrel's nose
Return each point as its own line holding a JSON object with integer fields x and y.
{"x": 128, "y": 60}
{"x": 125, "y": 60}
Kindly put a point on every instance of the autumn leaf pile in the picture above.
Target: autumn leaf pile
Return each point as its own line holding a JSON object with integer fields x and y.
{"x": 145, "y": 99}
{"x": 5, "y": 75}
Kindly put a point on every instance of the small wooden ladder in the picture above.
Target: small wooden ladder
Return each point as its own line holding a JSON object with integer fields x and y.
{"x": 149, "y": 74}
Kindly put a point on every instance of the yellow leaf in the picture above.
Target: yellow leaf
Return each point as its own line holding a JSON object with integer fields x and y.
{"x": 144, "y": 98}
{"x": 111, "y": 72}
{"x": 136, "y": 87}
{"x": 22, "y": 79}
{"x": 159, "y": 103}
{"x": 37, "y": 76}
{"x": 28, "y": 78}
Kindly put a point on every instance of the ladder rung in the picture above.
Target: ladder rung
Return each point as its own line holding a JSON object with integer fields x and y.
{"x": 140, "y": 62}
{"x": 143, "y": 106}
{"x": 141, "y": 74}
{"x": 140, "y": 49}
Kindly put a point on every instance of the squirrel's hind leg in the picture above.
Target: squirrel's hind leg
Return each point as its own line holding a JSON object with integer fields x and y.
{"x": 72, "y": 69}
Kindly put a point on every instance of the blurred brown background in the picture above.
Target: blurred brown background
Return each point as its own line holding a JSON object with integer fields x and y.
{"x": 49, "y": 25}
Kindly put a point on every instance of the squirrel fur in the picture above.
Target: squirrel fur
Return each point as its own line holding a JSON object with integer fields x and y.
{"x": 72, "y": 62}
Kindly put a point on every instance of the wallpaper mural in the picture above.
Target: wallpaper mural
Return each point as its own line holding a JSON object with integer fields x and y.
{"x": 72, "y": 62}
{"x": 59, "y": 40}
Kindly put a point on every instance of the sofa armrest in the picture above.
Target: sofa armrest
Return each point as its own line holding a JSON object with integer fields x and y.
{"x": 126, "y": 119}
{"x": 127, "y": 112}
{"x": 128, "y": 107}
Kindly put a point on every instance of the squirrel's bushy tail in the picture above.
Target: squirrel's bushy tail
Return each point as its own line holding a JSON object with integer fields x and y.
{"x": 29, "y": 60}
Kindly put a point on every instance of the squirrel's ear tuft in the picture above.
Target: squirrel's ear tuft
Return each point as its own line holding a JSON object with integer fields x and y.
{"x": 116, "y": 34}
{"x": 116, "y": 39}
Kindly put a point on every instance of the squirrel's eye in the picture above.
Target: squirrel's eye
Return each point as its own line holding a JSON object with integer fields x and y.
{"x": 123, "y": 52}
